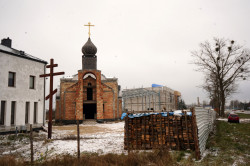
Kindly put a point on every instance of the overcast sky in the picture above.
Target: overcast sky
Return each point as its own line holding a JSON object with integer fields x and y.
{"x": 140, "y": 42}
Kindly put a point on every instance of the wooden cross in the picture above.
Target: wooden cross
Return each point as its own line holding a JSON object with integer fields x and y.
{"x": 89, "y": 24}
{"x": 51, "y": 92}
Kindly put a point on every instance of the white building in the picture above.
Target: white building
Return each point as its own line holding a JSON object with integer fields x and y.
{"x": 159, "y": 98}
{"x": 22, "y": 91}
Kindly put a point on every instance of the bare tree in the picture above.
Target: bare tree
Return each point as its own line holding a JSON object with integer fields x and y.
{"x": 234, "y": 104}
{"x": 224, "y": 64}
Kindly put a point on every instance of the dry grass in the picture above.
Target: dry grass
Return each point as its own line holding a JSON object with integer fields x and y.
{"x": 83, "y": 129}
{"x": 160, "y": 158}
{"x": 9, "y": 160}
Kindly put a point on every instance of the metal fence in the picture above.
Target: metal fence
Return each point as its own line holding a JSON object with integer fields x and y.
{"x": 205, "y": 123}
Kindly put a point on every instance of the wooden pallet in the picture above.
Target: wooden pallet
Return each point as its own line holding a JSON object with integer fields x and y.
{"x": 156, "y": 131}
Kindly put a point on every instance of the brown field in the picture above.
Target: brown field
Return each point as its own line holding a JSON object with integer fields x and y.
{"x": 83, "y": 129}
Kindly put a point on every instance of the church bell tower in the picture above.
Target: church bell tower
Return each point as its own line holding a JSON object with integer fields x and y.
{"x": 89, "y": 50}
{"x": 89, "y": 58}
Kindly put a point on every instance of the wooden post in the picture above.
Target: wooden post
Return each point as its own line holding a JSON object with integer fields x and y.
{"x": 31, "y": 145}
{"x": 50, "y": 100}
{"x": 195, "y": 133}
{"x": 165, "y": 133}
{"x": 185, "y": 114}
{"x": 177, "y": 132}
{"x": 169, "y": 140}
{"x": 144, "y": 132}
{"x": 127, "y": 132}
{"x": 152, "y": 129}
{"x": 136, "y": 133}
{"x": 157, "y": 133}
{"x": 78, "y": 141}
{"x": 160, "y": 117}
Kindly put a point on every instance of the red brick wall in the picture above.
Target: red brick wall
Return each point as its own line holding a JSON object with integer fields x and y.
{"x": 120, "y": 107}
{"x": 114, "y": 86}
{"x": 64, "y": 87}
{"x": 76, "y": 93}
{"x": 99, "y": 96}
{"x": 57, "y": 113}
{"x": 69, "y": 106}
{"x": 108, "y": 99}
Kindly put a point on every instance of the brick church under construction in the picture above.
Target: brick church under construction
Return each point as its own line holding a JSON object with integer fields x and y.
{"x": 88, "y": 94}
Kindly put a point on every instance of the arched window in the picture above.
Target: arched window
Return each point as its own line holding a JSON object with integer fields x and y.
{"x": 89, "y": 88}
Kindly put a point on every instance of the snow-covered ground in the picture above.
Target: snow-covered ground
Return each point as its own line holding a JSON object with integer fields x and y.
{"x": 241, "y": 120}
{"x": 95, "y": 138}
{"x": 108, "y": 140}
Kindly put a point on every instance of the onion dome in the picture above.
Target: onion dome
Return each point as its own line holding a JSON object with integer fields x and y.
{"x": 89, "y": 48}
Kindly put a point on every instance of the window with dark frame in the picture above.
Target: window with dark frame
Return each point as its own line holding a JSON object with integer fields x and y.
{"x": 32, "y": 82}
{"x": 3, "y": 105}
{"x": 11, "y": 80}
{"x": 27, "y": 108}
{"x": 13, "y": 112}
{"x": 35, "y": 112}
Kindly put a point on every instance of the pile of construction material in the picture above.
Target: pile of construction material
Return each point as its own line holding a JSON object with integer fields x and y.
{"x": 177, "y": 130}
{"x": 170, "y": 130}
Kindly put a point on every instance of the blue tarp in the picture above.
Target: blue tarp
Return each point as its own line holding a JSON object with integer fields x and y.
{"x": 123, "y": 116}
{"x": 157, "y": 85}
{"x": 176, "y": 113}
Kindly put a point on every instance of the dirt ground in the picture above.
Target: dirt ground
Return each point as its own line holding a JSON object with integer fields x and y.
{"x": 71, "y": 130}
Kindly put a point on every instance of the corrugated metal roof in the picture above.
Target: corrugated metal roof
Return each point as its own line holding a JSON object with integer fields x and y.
{"x": 20, "y": 54}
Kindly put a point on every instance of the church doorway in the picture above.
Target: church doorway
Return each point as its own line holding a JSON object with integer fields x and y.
{"x": 89, "y": 111}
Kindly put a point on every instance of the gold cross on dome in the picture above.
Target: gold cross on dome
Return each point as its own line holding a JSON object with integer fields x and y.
{"x": 89, "y": 24}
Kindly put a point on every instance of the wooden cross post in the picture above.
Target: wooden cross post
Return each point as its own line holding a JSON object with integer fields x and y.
{"x": 51, "y": 92}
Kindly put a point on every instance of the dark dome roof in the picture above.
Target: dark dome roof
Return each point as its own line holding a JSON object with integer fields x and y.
{"x": 89, "y": 48}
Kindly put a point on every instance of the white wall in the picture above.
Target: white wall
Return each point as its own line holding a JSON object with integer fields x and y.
{"x": 152, "y": 101}
{"x": 21, "y": 92}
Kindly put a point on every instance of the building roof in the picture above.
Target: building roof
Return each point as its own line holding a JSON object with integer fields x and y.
{"x": 19, "y": 53}
{"x": 137, "y": 92}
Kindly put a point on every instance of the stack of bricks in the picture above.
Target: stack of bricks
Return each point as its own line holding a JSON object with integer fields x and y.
{"x": 156, "y": 131}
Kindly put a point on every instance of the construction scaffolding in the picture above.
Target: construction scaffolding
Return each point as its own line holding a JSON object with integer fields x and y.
{"x": 154, "y": 99}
